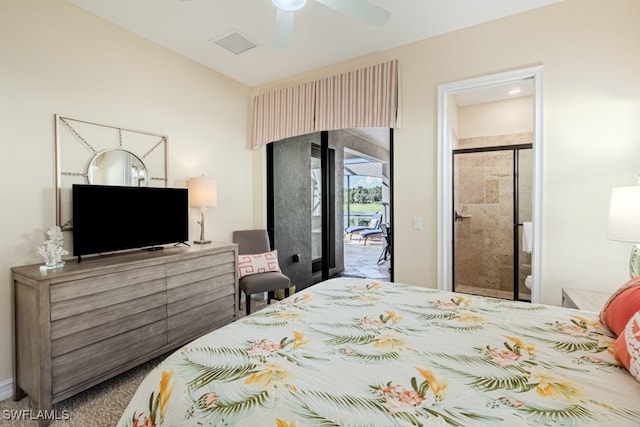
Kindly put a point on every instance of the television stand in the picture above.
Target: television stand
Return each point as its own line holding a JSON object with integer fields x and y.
{"x": 154, "y": 248}
{"x": 81, "y": 324}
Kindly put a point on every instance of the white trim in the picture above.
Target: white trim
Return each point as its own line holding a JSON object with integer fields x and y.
{"x": 6, "y": 389}
{"x": 445, "y": 167}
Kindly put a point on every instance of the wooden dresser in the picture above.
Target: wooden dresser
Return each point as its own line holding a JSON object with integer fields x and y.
{"x": 86, "y": 322}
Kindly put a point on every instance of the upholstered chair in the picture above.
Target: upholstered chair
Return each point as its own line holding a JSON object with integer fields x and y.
{"x": 258, "y": 280}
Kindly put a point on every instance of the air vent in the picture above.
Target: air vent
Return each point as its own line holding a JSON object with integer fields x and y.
{"x": 235, "y": 42}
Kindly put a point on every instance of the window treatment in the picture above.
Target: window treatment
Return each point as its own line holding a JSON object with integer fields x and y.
{"x": 283, "y": 113}
{"x": 367, "y": 97}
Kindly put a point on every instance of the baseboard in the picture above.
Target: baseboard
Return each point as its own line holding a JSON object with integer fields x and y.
{"x": 6, "y": 389}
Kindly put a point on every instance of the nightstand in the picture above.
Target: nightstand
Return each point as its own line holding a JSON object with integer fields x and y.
{"x": 583, "y": 299}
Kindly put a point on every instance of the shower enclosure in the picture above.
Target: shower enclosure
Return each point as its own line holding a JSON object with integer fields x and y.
{"x": 492, "y": 200}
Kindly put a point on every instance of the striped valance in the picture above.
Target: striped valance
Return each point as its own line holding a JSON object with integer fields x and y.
{"x": 367, "y": 97}
{"x": 362, "y": 98}
{"x": 283, "y": 113}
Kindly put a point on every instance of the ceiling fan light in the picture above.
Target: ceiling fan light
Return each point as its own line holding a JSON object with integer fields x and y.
{"x": 289, "y": 5}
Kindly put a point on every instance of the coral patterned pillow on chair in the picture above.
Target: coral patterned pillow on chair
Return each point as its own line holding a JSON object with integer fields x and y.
{"x": 627, "y": 347}
{"x": 258, "y": 263}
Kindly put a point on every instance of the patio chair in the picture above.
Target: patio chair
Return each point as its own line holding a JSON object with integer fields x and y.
{"x": 374, "y": 224}
{"x": 370, "y": 234}
{"x": 256, "y": 242}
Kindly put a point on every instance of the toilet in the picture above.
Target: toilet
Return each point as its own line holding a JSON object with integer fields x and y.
{"x": 528, "y": 281}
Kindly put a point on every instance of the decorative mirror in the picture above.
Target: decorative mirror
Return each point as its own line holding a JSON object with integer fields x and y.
{"x": 96, "y": 153}
{"x": 117, "y": 167}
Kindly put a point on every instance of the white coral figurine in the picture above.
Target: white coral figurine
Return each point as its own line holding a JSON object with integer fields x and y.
{"x": 55, "y": 235}
{"x": 51, "y": 250}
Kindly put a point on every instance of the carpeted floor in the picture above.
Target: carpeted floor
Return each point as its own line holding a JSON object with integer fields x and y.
{"x": 100, "y": 406}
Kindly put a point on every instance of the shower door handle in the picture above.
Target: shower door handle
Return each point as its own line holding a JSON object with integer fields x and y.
{"x": 458, "y": 217}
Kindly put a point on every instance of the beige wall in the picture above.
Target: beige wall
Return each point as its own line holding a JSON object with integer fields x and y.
{"x": 496, "y": 118}
{"x": 591, "y": 131}
{"x": 56, "y": 58}
{"x": 59, "y": 59}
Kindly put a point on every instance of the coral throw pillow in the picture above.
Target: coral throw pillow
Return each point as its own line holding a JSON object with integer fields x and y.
{"x": 258, "y": 263}
{"x": 621, "y": 306}
{"x": 627, "y": 347}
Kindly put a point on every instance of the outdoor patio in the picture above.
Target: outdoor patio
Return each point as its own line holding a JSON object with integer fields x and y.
{"x": 361, "y": 260}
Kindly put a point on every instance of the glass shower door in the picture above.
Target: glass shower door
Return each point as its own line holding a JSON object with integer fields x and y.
{"x": 493, "y": 204}
{"x": 483, "y": 223}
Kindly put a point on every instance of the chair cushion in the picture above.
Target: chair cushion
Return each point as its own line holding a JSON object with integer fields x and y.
{"x": 374, "y": 223}
{"x": 370, "y": 233}
{"x": 258, "y": 263}
{"x": 264, "y": 282}
{"x": 356, "y": 228}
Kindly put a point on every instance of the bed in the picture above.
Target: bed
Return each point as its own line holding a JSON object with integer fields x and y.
{"x": 355, "y": 352}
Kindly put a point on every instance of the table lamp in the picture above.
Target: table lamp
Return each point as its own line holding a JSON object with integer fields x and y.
{"x": 203, "y": 195}
{"x": 624, "y": 222}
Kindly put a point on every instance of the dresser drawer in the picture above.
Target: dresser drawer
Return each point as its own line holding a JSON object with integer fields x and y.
{"x": 81, "y": 365}
{"x": 106, "y": 315}
{"x": 187, "y": 325}
{"x": 89, "y": 335}
{"x": 88, "y": 286}
{"x": 195, "y": 293}
{"x": 199, "y": 263}
{"x": 193, "y": 276}
{"x": 114, "y": 296}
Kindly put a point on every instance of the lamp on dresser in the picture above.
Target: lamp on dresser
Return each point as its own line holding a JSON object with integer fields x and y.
{"x": 624, "y": 222}
{"x": 203, "y": 194}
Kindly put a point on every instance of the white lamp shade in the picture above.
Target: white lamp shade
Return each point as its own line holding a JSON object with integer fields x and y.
{"x": 203, "y": 192}
{"x": 624, "y": 214}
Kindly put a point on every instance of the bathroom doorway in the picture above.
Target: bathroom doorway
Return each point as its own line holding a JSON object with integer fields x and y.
{"x": 461, "y": 121}
{"x": 492, "y": 199}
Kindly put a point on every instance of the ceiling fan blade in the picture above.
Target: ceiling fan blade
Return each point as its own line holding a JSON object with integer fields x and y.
{"x": 360, "y": 9}
{"x": 284, "y": 29}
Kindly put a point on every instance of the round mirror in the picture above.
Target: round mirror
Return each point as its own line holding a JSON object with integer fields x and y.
{"x": 117, "y": 167}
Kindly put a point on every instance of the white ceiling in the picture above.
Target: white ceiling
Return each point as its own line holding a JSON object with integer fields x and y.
{"x": 322, "y": 36}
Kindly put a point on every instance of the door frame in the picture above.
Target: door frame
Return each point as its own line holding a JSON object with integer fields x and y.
{"x": 445, "y": 172}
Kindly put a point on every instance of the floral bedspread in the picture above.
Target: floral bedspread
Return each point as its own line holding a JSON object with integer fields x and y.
{"x": 354, "y": 352}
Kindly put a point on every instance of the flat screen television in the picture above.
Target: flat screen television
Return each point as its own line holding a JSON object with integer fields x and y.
{"x": 112, "y": 218}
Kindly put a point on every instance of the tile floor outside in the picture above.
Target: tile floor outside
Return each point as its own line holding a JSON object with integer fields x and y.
{"x": 361, "y": 260}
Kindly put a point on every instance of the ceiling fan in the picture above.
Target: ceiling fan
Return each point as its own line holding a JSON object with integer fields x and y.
{"x": 360, "y": 9}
